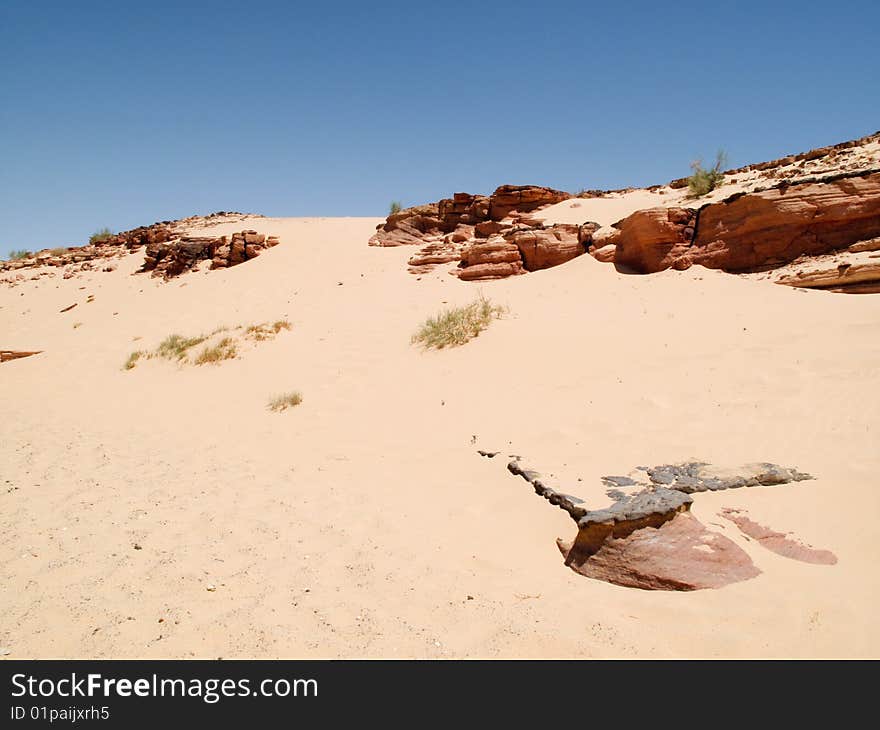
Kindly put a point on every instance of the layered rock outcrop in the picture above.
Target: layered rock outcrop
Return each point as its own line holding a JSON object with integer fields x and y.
{"x": 853, "y": 275}
{"x": 773, "y": 227}
{"x": 761, "y": 231}
{"x": 168, "y": 249}
{"x": 646, "y": 538}
{"x": 517, "y": 249}
{"x": 171, "y": 258}
{"x": 473, "y": 229}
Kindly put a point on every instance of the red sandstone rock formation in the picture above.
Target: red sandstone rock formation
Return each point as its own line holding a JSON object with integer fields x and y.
{"x": 758, "y": 231}
{"x": 522, "y": 199}
{"x": 652, "y": 240}
{"x": 494, "y": 258}
{"x": 517, "y": 250}
{"x": 408, "y": 227}
{"x": 773, "y": 227}
{"x": 463, "y": 215}
{"x": 541, "y": 248}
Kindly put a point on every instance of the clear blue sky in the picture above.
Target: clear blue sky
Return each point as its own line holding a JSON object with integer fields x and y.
{"x": 119, "y": 113}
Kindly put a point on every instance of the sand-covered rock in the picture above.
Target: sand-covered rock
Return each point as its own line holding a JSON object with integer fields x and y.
{"x": 646, "y": 538}
{"x": 853, "y": 275}
{"x": 678, "y": 555}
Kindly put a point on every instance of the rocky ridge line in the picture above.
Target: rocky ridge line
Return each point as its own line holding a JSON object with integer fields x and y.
{"x": 169, "y": 250}
{"x": 822, "y": 202}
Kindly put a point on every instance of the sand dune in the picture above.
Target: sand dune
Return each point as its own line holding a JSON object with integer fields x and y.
{"x": 363, "y": 522}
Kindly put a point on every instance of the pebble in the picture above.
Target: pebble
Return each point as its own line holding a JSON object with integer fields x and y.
{"x": 211, "y": 588}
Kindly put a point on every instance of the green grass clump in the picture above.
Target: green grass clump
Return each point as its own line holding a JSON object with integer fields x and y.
{"x": 395, "y": 207}
{"x": 454, "y": 327}
{"x": 105, "y": 234}
{"x": 174, "y": 347}
{"x": 19, "y": 254}
{"x": 703, "y": 180}
{"x": 132, "y": 359}
{"x": 223, "y": 350}
{"x": 283, "y": 402}
{"x": 58, "y": 251}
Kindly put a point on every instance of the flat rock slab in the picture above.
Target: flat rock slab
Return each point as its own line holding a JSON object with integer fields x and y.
{"x": 696, "y": 476}
{"x": 680, "y": 555}
{"x": 784, "y": 544}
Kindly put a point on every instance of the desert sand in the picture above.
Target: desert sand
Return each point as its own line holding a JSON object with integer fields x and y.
{"x": 363, "y": 523}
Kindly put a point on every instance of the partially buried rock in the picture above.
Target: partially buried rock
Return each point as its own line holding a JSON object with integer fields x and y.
{"x": 647, "y": 537}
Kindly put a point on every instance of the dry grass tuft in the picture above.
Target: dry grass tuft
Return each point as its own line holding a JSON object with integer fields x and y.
{"x": 175, "y": 347}
{"x": 283, "y": 402}
{"x": 132, "y": 359}
{"x": 223, "y": 350}
{"x": 266, "y": 331}
{"x": 454, "y": 327}
{"x": 178, "y": 348}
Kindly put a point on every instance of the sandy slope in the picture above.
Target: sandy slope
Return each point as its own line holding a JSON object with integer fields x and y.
{"x": 360, "y": 523}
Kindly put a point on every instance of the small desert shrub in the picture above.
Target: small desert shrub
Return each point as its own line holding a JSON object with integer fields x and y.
{"x": 456, "y": 326}
{"x": 281, "y": 324}
{"x": 283, "y": 402}
{"x": 132, "y": 359}
{"x": 58, "y": 251}
{"x": 223, "y": 350}
{"x": 174, "y": 347}
{"x": 100, "y": 236}
{"x": 703, "y": 180}
{"x": 395, "y": 207}
{"x": 19, "y": 254}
